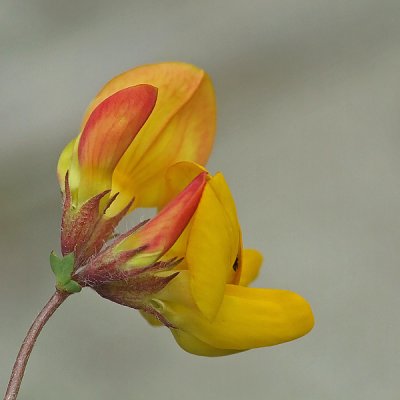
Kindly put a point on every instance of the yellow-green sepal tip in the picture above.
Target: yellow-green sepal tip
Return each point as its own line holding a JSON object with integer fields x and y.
{"x": 62, "y": 269}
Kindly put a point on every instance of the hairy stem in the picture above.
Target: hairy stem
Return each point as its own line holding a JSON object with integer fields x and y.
{"x": 22, "y": 359}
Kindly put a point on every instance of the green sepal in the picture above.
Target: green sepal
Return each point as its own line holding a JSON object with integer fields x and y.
{"x": 62, "y": 269}
{"x": 72, "y": 287}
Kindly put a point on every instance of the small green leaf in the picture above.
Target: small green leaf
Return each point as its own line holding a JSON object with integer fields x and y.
{"x": 63, "y": 269}
{"x": 68, "y": 267}
{"x": 72, "y": 287}
{"x": 68, "y": 262}
{"x": 56, "y": 263}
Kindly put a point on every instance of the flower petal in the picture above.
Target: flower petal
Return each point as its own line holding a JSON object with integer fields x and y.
{"x": 178, "y": 176}
{"x": 151, "y": 319}
{"x": 251, "y": 264}
{"x": 210, "y": 255}
{"x": 108, "y": 132}
{"x": 195, "y": 346}
{"x": 181, "y": 127}
{"x": 221, "y": 188}
{"x": 188, "y": 342}
{"x": 64, "y": 163}
{"x": 160, "y": 233}
{"x": 212, "y": 240}
{"x": 247, "y": 318}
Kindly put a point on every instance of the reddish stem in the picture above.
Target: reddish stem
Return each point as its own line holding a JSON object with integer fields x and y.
{"x": 22, "y": 359}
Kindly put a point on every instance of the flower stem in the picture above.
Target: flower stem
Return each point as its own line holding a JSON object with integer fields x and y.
{"x": 22, "y": 359}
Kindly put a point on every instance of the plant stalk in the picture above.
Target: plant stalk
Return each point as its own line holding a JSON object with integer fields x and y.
{"x": 22, "y": 359}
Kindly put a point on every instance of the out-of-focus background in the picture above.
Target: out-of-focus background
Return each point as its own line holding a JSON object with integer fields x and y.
{"x": 308, "y": 138}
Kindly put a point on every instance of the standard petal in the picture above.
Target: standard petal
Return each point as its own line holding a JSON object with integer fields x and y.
{"x": 247, "y": 318}
{"x": 109, "y": 131}
{"x": 160, "y": 233}
{"x": 251, "y": 264}
{"x": 210, "y": 254}
{"x": 181, "y": 127}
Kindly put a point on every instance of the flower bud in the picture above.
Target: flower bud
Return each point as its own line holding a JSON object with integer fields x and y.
{"x": 137, "y": 251}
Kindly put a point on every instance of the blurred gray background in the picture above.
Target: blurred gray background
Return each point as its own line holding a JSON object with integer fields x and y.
{"x": 309, "y": 98}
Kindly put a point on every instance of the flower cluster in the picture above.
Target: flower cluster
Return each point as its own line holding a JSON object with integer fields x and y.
{"x": 144, "y": 142}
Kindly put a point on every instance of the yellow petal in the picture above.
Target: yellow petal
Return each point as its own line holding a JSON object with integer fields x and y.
{"x": 211, "y": 241}
{"x": 195, "y": 346}
{"x": 153, "y": 321}
{"x": 161, "y": 232}
{"x": 178, "y": 176}
{"x": 64, "y": 163}
{"x": 181, "y": 127}
{"x": 178, "y": 250}
{"x": 221, "y": 189}
{"x": 238, "y": 264}
{"x": 224, "y": 195}
{"x": 251, "y": 264}
{"x": 247, "y": 318}
{"x": 210, "y": 253}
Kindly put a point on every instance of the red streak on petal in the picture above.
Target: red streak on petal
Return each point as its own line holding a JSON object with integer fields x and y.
{"x": 113, "y": 125}
{"x": 165, "y": 228}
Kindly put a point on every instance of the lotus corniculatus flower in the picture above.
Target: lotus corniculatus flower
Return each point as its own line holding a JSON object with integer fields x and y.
{"x": 139, "y": 124}
{"x": 208, "y": 305}
{"x": 143, "y": 143}
{"x": 133, "y": 258}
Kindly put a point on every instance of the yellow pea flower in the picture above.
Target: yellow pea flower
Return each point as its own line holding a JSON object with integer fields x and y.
{"x": 207, "y": 305}
{"x": 139, "y": 124}
{"x": 133, "y": 258}
{"x": 143, "y": 142}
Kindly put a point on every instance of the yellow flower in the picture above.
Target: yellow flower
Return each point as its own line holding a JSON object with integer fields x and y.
{"x": 132, "y": 259}
{"x": 143, "y": 142}
{"x": 208, "y": 306}
{"x": 139, "y": 124}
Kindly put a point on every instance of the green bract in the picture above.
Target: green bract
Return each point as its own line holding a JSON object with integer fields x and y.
{"x": 62, "y": 269}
